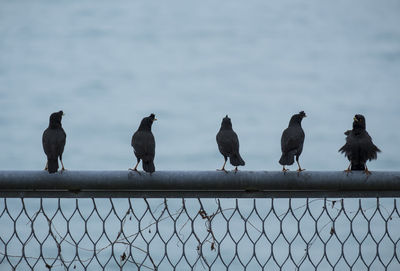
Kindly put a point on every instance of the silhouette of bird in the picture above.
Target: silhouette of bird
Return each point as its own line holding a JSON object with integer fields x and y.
{"x": 292, "y": 141}
{"x": 53, "y": 141}
{"x": 228, "y": 144}
{"x": 144, "y": 145}
{"x": 359, "y": 147}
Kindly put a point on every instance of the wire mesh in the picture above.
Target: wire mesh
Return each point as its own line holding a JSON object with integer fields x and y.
{"x": 199, "y": 234}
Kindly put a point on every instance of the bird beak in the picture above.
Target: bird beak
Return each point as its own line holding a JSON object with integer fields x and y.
{"x": 154, "y": 119}
{"x": 355, "y": 119}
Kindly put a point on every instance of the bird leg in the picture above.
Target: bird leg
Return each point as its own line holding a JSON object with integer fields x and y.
{"x": 285, "y": 169}
{"x": 62, "y": 165}
{"x": 135, "y": 168}
{"x": 348, "y": 170}
{"x": 236, "y": 169}
{"x": 367, "y": 172}
{"x": 300, "y": 169}
{"x": 223, "y": 167}
{"x": 47, "y": 166}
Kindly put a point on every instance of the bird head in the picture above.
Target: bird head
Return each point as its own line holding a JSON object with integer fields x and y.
{"x": 55, "y": 119}
{"x": 297, "y": 118}
{"x": 147, "y": 122}
{"x": 302, "y": 114}
{"x": 359, "y": 121}
{"x": 152, "y": 117}
{"x": 226, "y": 123}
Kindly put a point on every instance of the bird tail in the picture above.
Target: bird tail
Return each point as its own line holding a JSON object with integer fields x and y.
{"x": 148, "y": 166}
{"x": 287, "y": 158}
{"x": 52, "y": 165}
{"x": 236, "y": 160}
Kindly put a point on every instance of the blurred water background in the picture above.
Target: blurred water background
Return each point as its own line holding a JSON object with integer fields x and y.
{"x": 108, "y": 64}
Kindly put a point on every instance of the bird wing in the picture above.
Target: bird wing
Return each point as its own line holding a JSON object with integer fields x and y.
{"x": 46, "y": 142}
{"x": 61, "y": 139}
{"x": 228, "y": 142}
{"x": 369, "y": 150}
{"x": 144, "y": 145}
{"x": 53, "y": 141}
{"x": 292, "y": 139}
{"x": 351, "y": 142}
{"x": 359, "y": 147}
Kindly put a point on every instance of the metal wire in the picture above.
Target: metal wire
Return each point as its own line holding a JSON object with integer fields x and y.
{"x": 199, "y": 234}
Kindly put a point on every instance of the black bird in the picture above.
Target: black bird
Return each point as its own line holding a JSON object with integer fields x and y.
{"x": 144, "y": 145}
{"x": 359, "y": 147}
{"x": 292, "y": 141}
{"x": 228, "y": 144}
{"x": 53, "y": 141}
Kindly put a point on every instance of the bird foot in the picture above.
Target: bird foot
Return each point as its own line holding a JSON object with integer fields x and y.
{"x": 348, "y": 171}
{"x": 284, "y": 170}
{"x": 300, "y": 170}
{"x": 236, "y": 170}
{"x": 62, "y": 170}
{"x": 367, "y": 172}
{"x": 134, "y": 169}
{"x": 223, "y": 169}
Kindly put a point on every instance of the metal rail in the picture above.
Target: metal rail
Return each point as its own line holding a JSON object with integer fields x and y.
{"x": 198, "y": 184}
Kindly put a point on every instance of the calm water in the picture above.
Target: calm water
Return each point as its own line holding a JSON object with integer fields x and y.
{"x": 190, "y": 63}
{"x": 108, "y": 65}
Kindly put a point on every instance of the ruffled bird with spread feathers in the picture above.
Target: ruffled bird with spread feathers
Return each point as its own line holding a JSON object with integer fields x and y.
{"x": 359, "y": 147}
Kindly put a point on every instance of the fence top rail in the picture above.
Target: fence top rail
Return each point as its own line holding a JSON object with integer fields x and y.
{"x": 196, "y": 184}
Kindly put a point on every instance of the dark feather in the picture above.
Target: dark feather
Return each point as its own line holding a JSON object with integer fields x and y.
{"x": 359, "y": 147}
{"x": 144, "y": 145}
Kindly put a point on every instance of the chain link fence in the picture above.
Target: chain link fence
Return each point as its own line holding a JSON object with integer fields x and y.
{"x": 199, "y": 234}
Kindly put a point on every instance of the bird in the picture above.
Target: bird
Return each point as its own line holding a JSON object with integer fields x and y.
{"x": 228, "y": 144}
{"x": 292, "y": 141}
{"x": 53, "y": 141}
{"x": 359, "y": 147}
{"x": 144, "y": 144}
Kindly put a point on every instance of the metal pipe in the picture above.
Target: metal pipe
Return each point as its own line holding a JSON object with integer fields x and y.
{"x": 196, "y": 184}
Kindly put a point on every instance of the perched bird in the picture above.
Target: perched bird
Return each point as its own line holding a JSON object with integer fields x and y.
{"x": 144, "y": 145}
{"x": 359, "y": 147}
{"x": 53, "y": 141}
{"x": 292, "y": 141}
{"x": 228, "y": 144}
